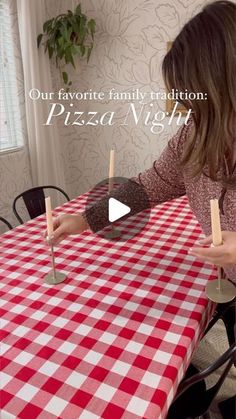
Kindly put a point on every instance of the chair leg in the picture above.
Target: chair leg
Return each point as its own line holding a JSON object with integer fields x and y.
{"x": 214, "y": 319}
{"x": 229, "y": 322}
{"x": 220, "y": 308}
{"x": 227, "y": 313}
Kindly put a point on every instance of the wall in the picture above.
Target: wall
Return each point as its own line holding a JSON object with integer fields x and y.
{"x": 131, "y": 41}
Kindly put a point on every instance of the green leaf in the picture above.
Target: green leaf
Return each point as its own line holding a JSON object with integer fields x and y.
{"x": 60, "y": 41}
{"x": 47, "y": 24}
{"x": 72, "y": 61}
{"x": 76, "y": 24}
{"x": 76, "y": 50}
{"x": 78, "y": 10}
{"x": 70, "y": 83}
{"x": 65, "y": 77}
{"x": 52, "y": 42}
{"x": 47, "y": 45}
{"x": 50, "y": 51}
{"x": 69, "y": 33}
{"x": 63, "y": 31}
{"x": 92, "y": 27}
{"x": 39, "y": 39}
{"x": 69, "y": 56}
{"x": 60, "y": 53}
{"x": 82, "y": 32}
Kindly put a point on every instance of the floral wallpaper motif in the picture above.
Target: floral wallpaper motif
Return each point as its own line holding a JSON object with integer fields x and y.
{"x": 131, "y": 40}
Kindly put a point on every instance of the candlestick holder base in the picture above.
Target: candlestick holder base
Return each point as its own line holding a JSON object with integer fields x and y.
{"x": 220, "y": 292}
{"x": 52, "y": 279}
{"x": 112, "y": 234}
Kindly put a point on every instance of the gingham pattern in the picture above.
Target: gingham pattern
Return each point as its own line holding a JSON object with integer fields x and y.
{"x": 114, "y": 340}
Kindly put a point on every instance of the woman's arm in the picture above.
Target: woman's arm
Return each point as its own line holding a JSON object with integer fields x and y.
{"x": 162, "y": 182}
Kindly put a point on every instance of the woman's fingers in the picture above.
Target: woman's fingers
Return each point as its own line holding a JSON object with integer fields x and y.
{"x": 217, "y": 261}
{"x": 205, "y": 241}
{"x": 58, "y": 239}
{"x": 58, "y": 235}
{"x": 56, "y": 224}
{"x": 222, "y": 255}
{"x": 208, "y": 252}
{"x": 58, "y": 232}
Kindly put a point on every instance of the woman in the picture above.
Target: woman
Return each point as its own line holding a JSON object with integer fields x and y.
{"x": 200, "y": 160}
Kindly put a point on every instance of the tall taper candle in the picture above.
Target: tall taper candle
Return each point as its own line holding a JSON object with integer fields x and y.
{"x": 215, "y": 223}
{"x": 49, "y": 218}
{"x": 111, "y": 169}
{"x": 220, "y": 290}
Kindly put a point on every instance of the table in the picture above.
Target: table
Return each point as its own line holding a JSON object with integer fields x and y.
{"x": 115, "y": 339}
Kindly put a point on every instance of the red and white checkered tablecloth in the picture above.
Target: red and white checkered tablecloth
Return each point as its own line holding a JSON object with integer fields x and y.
{"x": 114, "y": 339}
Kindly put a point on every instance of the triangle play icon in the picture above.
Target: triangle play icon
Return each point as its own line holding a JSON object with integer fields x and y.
{"x": 116, "y": 210}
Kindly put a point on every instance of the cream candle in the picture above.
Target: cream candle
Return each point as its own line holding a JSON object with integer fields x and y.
{"x": 111, "y": 169}
{"x": 220, "y": 290}
{"x": 215, "y": 223}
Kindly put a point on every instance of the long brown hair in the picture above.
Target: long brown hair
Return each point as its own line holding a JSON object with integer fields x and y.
{"x": 203, "y": 59}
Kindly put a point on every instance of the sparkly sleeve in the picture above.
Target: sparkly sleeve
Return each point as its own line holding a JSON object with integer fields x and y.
{"x": 162, "y": 182}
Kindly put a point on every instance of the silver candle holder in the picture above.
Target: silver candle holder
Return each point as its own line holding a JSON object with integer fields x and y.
{"x": 54, "y": 277}
{"x": 113, "y": 233}
{"x": 220, "y": 290}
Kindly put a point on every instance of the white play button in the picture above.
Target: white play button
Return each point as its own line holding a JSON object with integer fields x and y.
{"x": 117, "y": 210}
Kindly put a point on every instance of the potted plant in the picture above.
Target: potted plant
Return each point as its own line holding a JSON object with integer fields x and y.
{"x": 67, "y": 36}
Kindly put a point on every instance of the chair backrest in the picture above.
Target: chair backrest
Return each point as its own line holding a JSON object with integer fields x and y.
{"x": 4, "y": 221}
{"x": 193, "y": 398}
{"x": 34, "y": 200}
{"x": 228, "y": 358}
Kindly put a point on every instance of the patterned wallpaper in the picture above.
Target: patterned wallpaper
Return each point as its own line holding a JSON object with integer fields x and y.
{"x": 130, "y": 43}
{"x": 131, "y": 40}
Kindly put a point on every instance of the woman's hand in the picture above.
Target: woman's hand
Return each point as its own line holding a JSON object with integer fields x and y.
{"x": 64, "y": 225}
{"x": 222, "y": 255}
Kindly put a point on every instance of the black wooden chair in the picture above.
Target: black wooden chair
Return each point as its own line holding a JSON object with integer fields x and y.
{"x": 228, "y": 408}
{"x": 4, "y": 221}
{"x": 227, "y": 313}
{"x": 34, "y": 200}
{"x": 193, "y": 399}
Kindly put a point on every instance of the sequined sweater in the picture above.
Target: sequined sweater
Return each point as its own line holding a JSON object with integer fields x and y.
{"x": 164, "y": 181}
